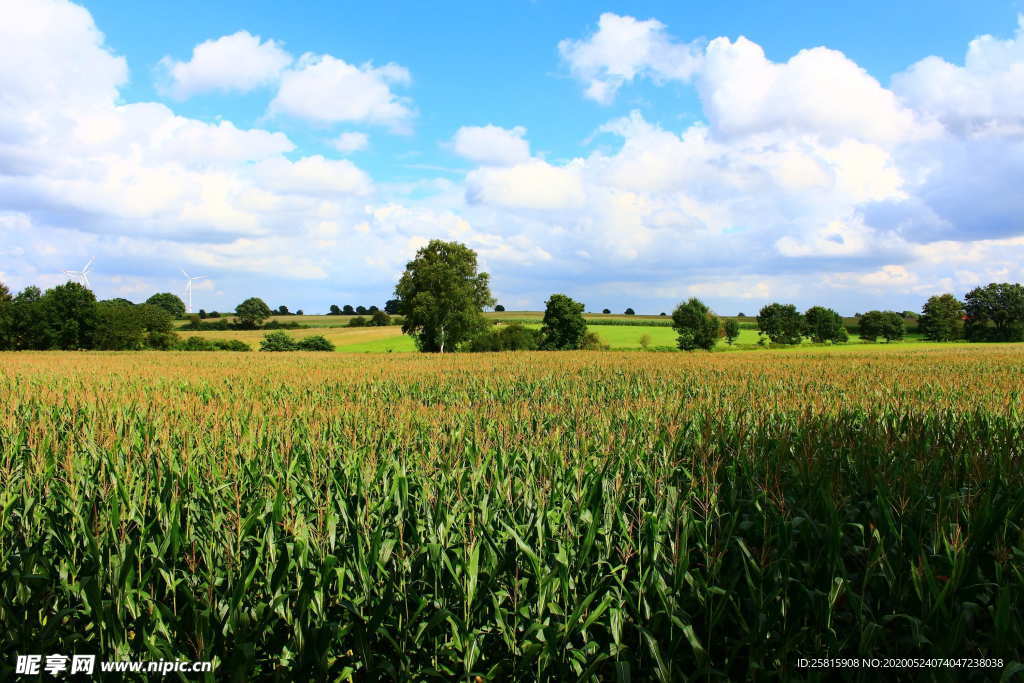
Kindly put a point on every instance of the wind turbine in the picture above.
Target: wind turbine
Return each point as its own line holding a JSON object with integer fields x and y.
{"x": 81, "y": 275}
{"x": 188, "y": 288}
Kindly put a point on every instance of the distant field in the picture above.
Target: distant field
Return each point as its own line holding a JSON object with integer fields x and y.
{"x": 619, "y": 338}
{"x": 345, "y": 338}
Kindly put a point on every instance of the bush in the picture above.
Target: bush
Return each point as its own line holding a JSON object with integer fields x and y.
{"x": 380, "y": 319}
{"x": 358, "y": 321}
{"x": 196, "y": 344}
{"x": 278, "y": 341}
{"x": 592, "y": 342}
{"x": 230, "y": 345}
{"x": 513, "y": 337}
{"x": 316, "y": 343}
{"x": 732, "y": 331}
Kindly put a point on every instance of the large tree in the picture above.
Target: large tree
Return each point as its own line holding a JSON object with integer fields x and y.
{"x": 252, "y": 312}
{"x": 119, "y": 327}
{"x": 696, "y": 325}
{"x": 995, "y": 313}
{"x": 71, "y": 316}
{"x": 886, "y": 324}
{"x": 171, "y": 303}
{"x": 823, "y": 324}
{"x": 942, "y": 318}
{"x": 564, "y": 326}
{"x": 442, "y": 296}
{"x": 781, "y": 323}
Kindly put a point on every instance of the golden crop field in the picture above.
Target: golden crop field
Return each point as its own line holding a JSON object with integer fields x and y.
{"x": 541, "y": 516}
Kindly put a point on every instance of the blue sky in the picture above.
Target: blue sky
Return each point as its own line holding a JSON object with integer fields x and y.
{"x": 628, "y": 154}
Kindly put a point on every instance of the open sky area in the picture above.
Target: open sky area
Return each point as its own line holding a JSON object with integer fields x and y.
{"x": 854, "y": 155}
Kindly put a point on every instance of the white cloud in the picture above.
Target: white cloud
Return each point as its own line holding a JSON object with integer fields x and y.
{"x": 531, "y": 185}
{"x": 325, "y": 89}
{"x": 623, "y": 49}
{"x": 986, "y": 92}
{"x": 313, "y": 175}
{"x": 818, "y": 91}
{"x": 350, "y": 142}
{"x": 823, "y": 188}
{"x": 492, "y": 145}
{"x": 239, "y": 62}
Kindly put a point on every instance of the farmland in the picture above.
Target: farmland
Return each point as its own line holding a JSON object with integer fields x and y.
{"x": 635, "y": 516}
{"x": 612, "y": 330}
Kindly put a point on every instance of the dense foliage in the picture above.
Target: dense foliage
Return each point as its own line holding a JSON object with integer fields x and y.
{"x": 529, "y": 517}
{"x": 442, "y": 296}
{"x": 732, "y": 331}
{"x": 281, "y": 341}
{"x": 696, "y": 326}
{"x": 512, "y": 337}
{"x": 942, "y": 318}
{"x": 781, "y": 323}
{"x": 824, "y": 325}
{"x": 563, "y": 325}
{"x": 252, "y": 312}
{"x": 171, "y": 303}
{"x": 995, "y": 313}
{"x": 888, "y": 325}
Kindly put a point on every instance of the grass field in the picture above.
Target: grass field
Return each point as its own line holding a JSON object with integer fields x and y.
{"x": 527, "y": 516}
{"x": 620, "y": 338}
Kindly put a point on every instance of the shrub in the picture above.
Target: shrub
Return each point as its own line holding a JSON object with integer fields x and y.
{"x": 277, "y": 341}
{"x": 358, "y": 321}
{"x": 380, "y": 319}
{"x": 196, "y": 344}
{"x": 316, "y": 343}
{"x": 513, "y": 337}
{"x": 732, "y": 330}
{"x": 592, "y": 342}
{"x": 230, "y": 345}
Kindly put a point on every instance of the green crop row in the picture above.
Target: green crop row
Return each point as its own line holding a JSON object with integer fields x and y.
{"x": 548, "y": 516}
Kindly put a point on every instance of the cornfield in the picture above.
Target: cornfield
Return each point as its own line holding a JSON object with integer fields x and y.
{"x": 525, "y": 516}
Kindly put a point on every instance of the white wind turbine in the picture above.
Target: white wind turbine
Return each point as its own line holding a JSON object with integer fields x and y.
{"x": 188, "y": 288}
{"x": 81, "y": 275}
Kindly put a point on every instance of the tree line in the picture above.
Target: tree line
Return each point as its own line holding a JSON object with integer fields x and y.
{"x": 442, "y": 295}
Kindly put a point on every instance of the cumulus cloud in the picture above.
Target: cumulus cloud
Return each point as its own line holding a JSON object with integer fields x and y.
{"x": 531, "y": 185}
{"x": 313, "y": 175}
{"x": 492, "y": 145}
{"x": 623, "y": 49}
{"x": 350, "y": 142}
{"x": 818, "y": 91}
{"x": 807, "y": 181}
{"x": 239, "y": 62}
{"x": 986, "y": 93}
{"x": 325, "y": 89}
